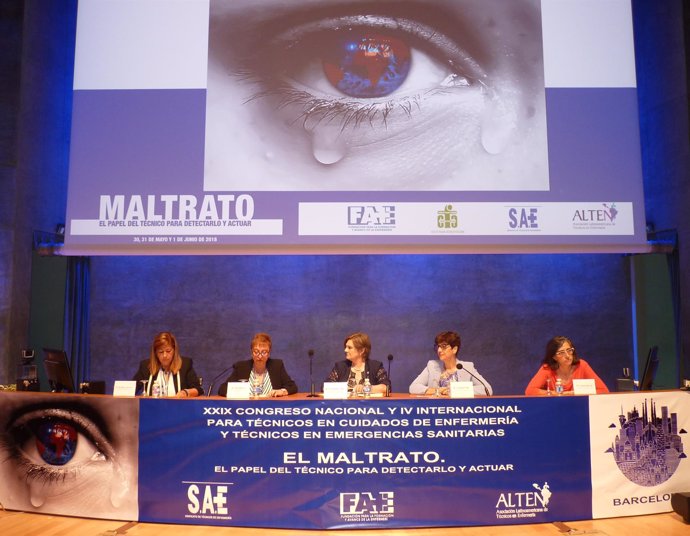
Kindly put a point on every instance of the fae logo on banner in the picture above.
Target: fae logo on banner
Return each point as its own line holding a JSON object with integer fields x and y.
{"x": 207, "y": 500}
{"x": 523, "y": 218}
{"x": 524, "y": 504}
{"x": 648, "y": 447}
{"x": 367, "y": 506}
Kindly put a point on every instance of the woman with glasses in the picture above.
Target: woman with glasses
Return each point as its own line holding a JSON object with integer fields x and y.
{"x": 262, "y": 370}
{"x": 436, "y": 377}
{"x": 356, "y": 368}
{"x": 561, "y": 362}
{"x": 166, "y": 373}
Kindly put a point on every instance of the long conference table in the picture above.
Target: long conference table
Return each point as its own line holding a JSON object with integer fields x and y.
{"x": 309, "y": 463}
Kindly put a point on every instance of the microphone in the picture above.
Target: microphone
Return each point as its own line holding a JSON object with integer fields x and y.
{"x": 389, "y": 390}
{"x": 311, "y": 394}
{"x": 486, "y": 389}
{"x": 213, "y": 382}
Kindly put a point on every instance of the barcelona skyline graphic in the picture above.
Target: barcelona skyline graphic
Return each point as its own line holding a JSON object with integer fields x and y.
{"x": 648, "y": 448}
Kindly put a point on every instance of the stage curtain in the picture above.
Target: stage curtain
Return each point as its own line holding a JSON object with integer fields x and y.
{"x": 77, "y": 318}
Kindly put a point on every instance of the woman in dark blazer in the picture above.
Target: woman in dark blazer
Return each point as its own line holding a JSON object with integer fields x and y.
{"x": 261, "y": 369}
{"x": 166, "y": 371}
{"x": 357, "y": 366}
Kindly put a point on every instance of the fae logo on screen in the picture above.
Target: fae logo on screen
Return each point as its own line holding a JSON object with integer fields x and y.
{"x": 367, "y": 506}
{"x": 523, "y": 218}
{"x": 371, "y": 215}
{"x": 524, "y": 504}
{"x": 207, "y": 500}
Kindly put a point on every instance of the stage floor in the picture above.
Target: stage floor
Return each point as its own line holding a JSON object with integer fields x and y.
{"x": 24, "y": 524}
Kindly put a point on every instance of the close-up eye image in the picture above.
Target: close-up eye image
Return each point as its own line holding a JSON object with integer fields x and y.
{"x": 415, "y": 95}
{"x": 69, "y": 456}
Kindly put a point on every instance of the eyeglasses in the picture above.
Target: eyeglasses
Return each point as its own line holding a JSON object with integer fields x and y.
{"x": 443, "y": 347}
{"x": 569, "y": 351}
{"x": 262, "y": 353}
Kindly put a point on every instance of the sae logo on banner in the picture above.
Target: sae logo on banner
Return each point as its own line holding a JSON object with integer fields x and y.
{"x": 207, "y": 500}
{"x": 367, "y": 506}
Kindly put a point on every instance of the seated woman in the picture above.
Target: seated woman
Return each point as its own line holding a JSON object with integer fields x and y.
{"x": 166, "y": 371}
{"x": 262, "y": 369}
{"x": 562, "y": 362}
{"x": 448, "y": 368}
{"x": 357, "y": 366}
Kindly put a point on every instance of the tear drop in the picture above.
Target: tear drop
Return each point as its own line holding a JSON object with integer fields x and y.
{"x": 328, "y": 144}
{"x": 119, "y": 489}
{"x": 36, "y": 495}
{"x": 498, "y": 125}
{"x": 331, "y": 154}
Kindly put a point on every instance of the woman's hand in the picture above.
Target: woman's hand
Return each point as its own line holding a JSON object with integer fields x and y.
{"x": 279, "y": 392}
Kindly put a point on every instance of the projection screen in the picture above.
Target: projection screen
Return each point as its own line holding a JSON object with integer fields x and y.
{"x": 315, "y": 126}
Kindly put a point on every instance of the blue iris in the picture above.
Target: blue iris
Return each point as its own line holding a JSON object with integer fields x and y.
{"x": 56, "y": 442}
{"x": 368, "y": 66}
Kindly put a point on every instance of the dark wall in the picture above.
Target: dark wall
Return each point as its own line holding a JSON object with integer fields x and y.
{"x": 505, "y": 307}
{"x": 661, "y": 30}
{"x": 11, "y": 17}
{"x": 34, "y": 140}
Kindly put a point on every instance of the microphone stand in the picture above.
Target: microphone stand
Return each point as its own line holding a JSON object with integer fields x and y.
{"x": 311, "y": 375}
{"x": 213, "y": 382}
{"x": 388, "y": 389}
{"x": 486, "y": 389}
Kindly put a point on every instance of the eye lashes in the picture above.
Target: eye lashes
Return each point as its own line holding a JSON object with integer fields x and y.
{"x": 269, "y": 66}
{"x": 316, "y": 111}
{"x": 420, "y": 33}
{"x": 21, "y": 431}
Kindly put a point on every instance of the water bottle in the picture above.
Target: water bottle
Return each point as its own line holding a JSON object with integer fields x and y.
{"x": 559, "y": 387}
{"x": 156, "y": 390}
{"x": 366, "y": 388}
{"x": 256, "y": 388}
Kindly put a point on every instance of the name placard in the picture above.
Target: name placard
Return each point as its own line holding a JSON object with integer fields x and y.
{"x": 335, "y": 390}
{"x": 463, "y": 389}
{"x": 238, "y": 390}
{"x": 584, "y": 387}
{"x": 124, "y": 388}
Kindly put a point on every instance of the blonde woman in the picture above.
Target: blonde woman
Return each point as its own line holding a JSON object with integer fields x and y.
{"x": 166, "y": 371}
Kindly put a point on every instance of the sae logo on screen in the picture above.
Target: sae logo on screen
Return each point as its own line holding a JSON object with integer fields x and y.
{"x": 367, "y": 506}
{"x": 523, "y": 218}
